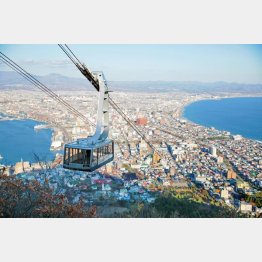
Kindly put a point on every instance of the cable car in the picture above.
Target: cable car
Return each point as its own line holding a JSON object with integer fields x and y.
{"x": 95, "y": 151}
{"x": 81, "y": 156}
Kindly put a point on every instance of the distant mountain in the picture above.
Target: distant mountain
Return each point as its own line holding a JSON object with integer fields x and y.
{"x": 190, "y": 86}
{"x": 12, "y": 80}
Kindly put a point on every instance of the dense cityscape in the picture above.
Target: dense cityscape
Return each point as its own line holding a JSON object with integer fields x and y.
{"x": 226, "y": 168}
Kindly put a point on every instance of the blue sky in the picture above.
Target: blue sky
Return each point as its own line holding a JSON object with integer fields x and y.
{"x": 206, "y": 63}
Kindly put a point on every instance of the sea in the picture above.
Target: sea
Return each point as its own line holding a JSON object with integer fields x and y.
{"x": 241, "y": 116}
{"x": 19, "y": 141}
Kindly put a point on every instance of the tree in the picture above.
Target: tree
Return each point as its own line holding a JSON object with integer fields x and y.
{"x": 30, "y": 199}
{"x": 167, "y": 205}
{"x": 256, "y": 199}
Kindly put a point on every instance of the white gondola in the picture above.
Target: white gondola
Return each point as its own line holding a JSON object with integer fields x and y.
{"x": 81, "y": 156}
{"x": 95, "y": 151}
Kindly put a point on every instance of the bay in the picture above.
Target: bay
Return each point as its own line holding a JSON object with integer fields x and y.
{"x": 237, "y": 115}
{"x": 19, "y": 140}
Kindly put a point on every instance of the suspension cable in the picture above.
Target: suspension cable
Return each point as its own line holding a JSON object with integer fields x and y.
{"x": 80, "y": 66}
{"x": 73, "y": 54}
{"x": 68, "y": 54}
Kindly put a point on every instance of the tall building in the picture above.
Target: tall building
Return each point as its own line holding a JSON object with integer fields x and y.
{"x": 156, "y": 158}
{"x": 172, "y": 171}
{"x": 213, "y": 151}
{"x": 219, "y": 159}
{"x": 231, "y": 174}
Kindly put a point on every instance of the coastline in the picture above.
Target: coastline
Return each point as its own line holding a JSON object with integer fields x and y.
{"x": 181, "y": 111}
{"x": 181, "y": 114}
{"x": 190, "y": 99}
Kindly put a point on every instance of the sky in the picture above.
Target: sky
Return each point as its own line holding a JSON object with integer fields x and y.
{"x": 204, "y": 63}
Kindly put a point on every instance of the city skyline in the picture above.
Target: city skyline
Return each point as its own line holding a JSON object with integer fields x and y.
{"x": 203, "y": 63}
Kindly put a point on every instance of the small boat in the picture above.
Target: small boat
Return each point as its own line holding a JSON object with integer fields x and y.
{"x": 40, "y": 127}
{"x": 1, "y": 157}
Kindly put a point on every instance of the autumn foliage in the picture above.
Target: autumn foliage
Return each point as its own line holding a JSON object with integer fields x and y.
{"x": 31, "y": 199}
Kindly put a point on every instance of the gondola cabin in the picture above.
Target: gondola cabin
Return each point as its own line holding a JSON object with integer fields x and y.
{"x": 80, "y": 155}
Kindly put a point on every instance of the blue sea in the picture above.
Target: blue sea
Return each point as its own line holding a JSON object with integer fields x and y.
{"x": 237, "y": 115}
{"x": 19, "y": 140}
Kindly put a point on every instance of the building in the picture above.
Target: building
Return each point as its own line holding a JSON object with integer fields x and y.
{"x": 76, "y": 130}
{"x": 156, "y": 158}
{"x": 172, "y": 171}
{"x": 199, "y": 178}
{"x": 56, "y": 144}
{"x": 220, "y": 159}
{"x": 224, "y": 193}
{"x": 245, "y": 207}
{"x": 213, "y": 151}
{"x": 143, "y": 145}
{"x": 19, "y": 168}
{"x": 231, "y": 174}
{"x": 142, "y": 121}
{"x": 237, "y": 137}
{"x": 109, "y": 167}
{"x": 243, "y": 185}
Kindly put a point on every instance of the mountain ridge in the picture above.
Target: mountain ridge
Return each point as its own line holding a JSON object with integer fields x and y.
{"x": 10, "y": 80}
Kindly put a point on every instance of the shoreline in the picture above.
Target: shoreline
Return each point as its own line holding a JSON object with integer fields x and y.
{"x": 182, "y": 110}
